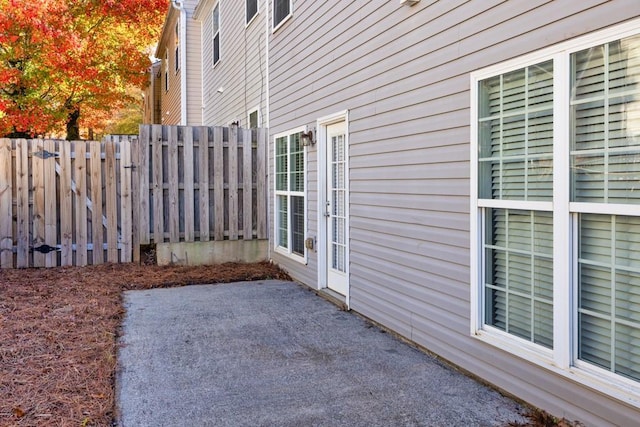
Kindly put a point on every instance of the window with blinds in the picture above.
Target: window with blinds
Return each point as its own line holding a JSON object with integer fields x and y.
{"x": 216, "y": 33}
{"x": 605, "y": 169}
{"x": 595, "y": 198}
{"x": 290, "y": 193}
{"x": 281, "y": 11}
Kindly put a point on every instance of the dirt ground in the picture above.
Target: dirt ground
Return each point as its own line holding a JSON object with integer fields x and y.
{"x": 58, "y": 332}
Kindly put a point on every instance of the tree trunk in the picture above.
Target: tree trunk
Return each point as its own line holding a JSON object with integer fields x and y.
{"x": 73, "y": 125}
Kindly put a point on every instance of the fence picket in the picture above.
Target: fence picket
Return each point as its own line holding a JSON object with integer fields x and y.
{"x": 80, "y": 179}
{"x": 95, "y": 163}
{"x": 111, "y": 203}
{"x": 158, "y": 186}
{"x": 142, "y": 175}
{"x": 6, "y": 202}
{"x": 218, "y": 184}
{"x": 203, "y": 182}
{"x": 247, "y": 185}
{"x": 172, "y": 166}
{"x": 233, "y": 182}
{"x": 66, "y": 203}
{"x": 22, "y": 203}
{"x": 125, "y": 201}
{"x": 37, "y": 217}
{"x": 261, "y": 184}
{"x": 188, "y": 174}
{"x": 50, "y": 205}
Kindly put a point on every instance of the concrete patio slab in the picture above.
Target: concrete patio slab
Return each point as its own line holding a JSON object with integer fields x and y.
{"x": 273, "y": 353}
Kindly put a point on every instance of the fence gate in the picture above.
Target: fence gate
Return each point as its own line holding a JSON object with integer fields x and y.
{"x": 65, "y": 203}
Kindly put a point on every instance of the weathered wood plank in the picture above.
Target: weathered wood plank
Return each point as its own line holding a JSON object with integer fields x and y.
{"x": 174, "y": 204}
{"x": 143, "y": 175}
{"x": 203, "y": 182}
{"x": 111, "y": 203}
{"x": 80, "y": 178}
{"x": 95, "y": 162}
{"x": 6, "y": 202}
{"x": 261, "y": 183}
{"x": 37, "y": 184}
{"x": 132, "y": 142}
{"x": 233, "y": 183}
{"x": 247, "y": 185}
{"x": 189, "y": 203}
{"x": 125, "y": 201}
{"x": 218, "y": 184}
{"x": 157, "y": 188}
{"x": 65, "y": 204}
{"x": 50, "y": 205}
{"x": 22, "y": 202}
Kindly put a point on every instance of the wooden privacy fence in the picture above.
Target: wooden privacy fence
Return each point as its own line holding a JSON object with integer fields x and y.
{"x": 200, "y": 184}
{"x": 65, "y": 203}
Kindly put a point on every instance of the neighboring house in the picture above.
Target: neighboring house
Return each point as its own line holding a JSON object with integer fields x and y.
{"x": 234, "y": 58}
{"x": 462, "y": 172}
{"x": 473, "y": 184}
{"x": 181, "y": 71}
{"x": 152, "y": 108}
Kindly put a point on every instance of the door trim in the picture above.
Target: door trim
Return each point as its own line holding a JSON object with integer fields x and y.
{"x": 322, "y": 123}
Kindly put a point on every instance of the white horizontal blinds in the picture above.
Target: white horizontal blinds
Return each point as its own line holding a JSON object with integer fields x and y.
{"x": 515, "y": 164}
{"x": 282, "y": 185}
{"x": 516, "y": 134}
{"x": 296, "y": 188}
{"x": 609, "y": 293}
{"x": 605, "y": 168}
{"x": 519, "y": 274}
{"x": 605, "y": 109}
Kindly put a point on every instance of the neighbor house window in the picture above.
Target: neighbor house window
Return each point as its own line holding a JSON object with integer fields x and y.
{"x": 290, "y": 193}
{"x": 253, "y": 119}
{"x": 281, "y": 11}
{"x": 216, "y": 34}
{"x": 166, "y": 70}
{"x": 557, "y": 200}
{"x": 177, "y": 47}
{"x": 251, "y": 8}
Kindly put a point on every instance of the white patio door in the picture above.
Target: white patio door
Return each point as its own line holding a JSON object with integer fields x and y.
{"x": 336, "y": 208}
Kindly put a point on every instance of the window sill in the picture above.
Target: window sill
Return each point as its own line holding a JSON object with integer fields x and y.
{"x": 281, "y": 23}
{"x": 285, "y": 252}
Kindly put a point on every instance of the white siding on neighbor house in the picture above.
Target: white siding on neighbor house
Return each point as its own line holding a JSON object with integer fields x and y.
{"x": 403, "y": 74}
{"x": 170, "y": 111}
{"x": 241, "y": 70}
{"x": 194, "y": 67}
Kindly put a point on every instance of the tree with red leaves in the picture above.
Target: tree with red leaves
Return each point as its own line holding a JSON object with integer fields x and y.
{"x": 63, "y": 61}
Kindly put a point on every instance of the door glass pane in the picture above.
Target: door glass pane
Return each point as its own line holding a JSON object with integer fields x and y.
{"x": 297, "y": 225}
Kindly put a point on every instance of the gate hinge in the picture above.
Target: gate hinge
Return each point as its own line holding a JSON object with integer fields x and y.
{"x": 45, "y": 249}
{"x": 44, "y": 154}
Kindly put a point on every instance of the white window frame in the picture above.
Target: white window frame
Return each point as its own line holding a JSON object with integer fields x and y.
{"x": 177, "y": 48}
{"x": 254, "y": 110}
{"x": 275, "y": 26}
{"x": 217, "y": 33}
{"x": 249, "y": 19}
{"x": 166, "y": 70}
{"x": 280, "y": 249}
{"x": 562, "y": 359}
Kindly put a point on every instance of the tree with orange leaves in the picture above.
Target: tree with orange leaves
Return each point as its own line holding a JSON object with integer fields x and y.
{"x": 62, "y": 61}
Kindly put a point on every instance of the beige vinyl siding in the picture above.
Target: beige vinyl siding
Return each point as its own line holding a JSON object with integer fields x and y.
{"x": 403, "y": 74}
{"x": 194, "y": 67}
{"x": 170, "y": 111}
{"x": 241, "y": 70}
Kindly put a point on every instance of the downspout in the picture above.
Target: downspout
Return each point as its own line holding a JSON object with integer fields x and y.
{"x": 179, "y": 6}
{"x": 265, "y": 124}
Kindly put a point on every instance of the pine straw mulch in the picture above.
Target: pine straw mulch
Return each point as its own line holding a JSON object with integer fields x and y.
{"x": 58, "y": 331}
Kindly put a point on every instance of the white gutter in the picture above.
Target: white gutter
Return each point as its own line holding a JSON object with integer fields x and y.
{"x": 179, "y": 6}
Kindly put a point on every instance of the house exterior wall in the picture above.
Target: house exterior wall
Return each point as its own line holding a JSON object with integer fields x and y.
{"x": 152, "y": 96}
{"x": 403, "y": 75}
{"x": 194, "y": 66}
{"x": 241, "y": 69}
